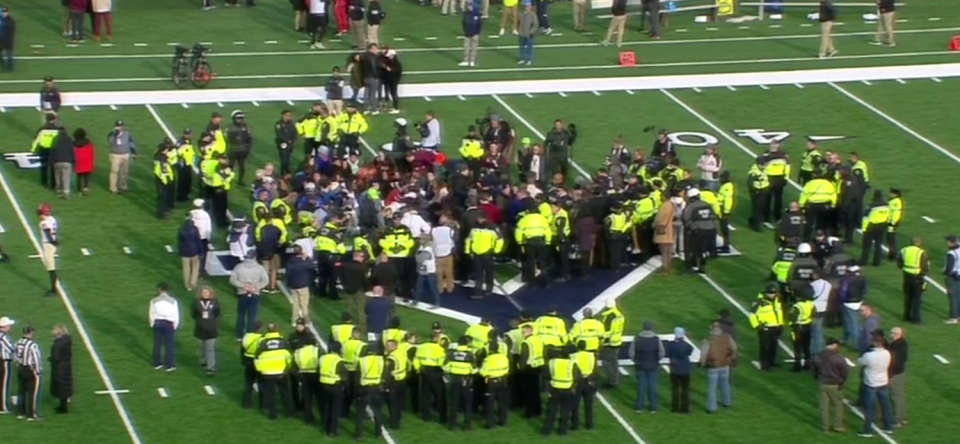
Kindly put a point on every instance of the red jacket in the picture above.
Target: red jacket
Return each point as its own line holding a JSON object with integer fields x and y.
{"x": 83, "y": 154}
{"x": 492, "y": 212}
{"x": 79, "y": 5}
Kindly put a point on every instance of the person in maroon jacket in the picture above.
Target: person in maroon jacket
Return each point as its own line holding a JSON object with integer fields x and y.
{"x": 77, "y": 10}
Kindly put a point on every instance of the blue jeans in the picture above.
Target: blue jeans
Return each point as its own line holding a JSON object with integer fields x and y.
{"x": 816, "y": 336}
{"x": 6, "y": 55}
{"x": 851, "y": 327}
{"x": 427, "y": 285}
{"x": 543, "y": 7}
{"x": 526, "y": 49}
{"x": 646, "y": 388}
{"x": 163, "y": 340}
{"x": 247, "y": 307}
{"x": 718, "y": 376}
{"x": 953, "y": 293}
{"x": 870, "y": 397}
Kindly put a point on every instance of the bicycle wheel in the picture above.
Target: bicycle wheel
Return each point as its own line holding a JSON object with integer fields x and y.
{"x": 179, "y": 74}
{"x": 202, "y": 74}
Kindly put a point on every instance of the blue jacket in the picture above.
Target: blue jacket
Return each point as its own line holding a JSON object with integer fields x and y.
{"x": 378, "y": 313}
{"x": 188, "y": 240}
{"x": 472, "y": 23}
{"x": 299, "y": 272}
{"x": 679, "y": 353}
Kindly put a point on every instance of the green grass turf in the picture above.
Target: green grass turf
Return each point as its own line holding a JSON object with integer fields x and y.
{"x": 110, "y": 290}
{"x": 140, "y": 55}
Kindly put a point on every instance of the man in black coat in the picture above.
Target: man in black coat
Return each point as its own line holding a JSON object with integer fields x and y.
{"x": 61, "y": 365}
{"x": 205, "y": 312}
{"x": 8, "y": 29}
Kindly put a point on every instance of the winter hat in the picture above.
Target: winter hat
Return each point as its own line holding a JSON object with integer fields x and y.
{"x": 611, "y": 303}
{"x": 648, "y": 325}
{"x": 679, "y": 333}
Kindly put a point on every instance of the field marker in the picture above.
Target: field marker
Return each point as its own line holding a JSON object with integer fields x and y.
{"x": 163, "y": 392}
{"x": 743, "y": 27}
{"x": 866, "y": 82}
{"x": 85, "y": 251}
{"x": 764, "y": 87}
{"x": 106, "y": 45}
{"x": 256, "y": 387}
{"x": 798, "y": 85}
{"x": 562, "y": 94}
{"x": 113, "y": 107}
{"x": 2, "y": 109}
{"x": 140, "y": 45}
{"x": 461, "y": 97}
{"x": 928, "y": 219}
{"x": 2, "y": 230}
{"x": 557, "y": 34}
{"x": 220, "y": 104}
{"x": 37, "y": 108}
{"x": 731, "y": 88}
{"x": 209, "y": 390}
{"x": 596, "y": 93}
{"x": 127, "y": 250}
{"x": 731, "y": 227}
{"x": 495, "y": 36}
{"x": 768, "y": 225}
{"x": 630, "y": 92}
{"x": 239, "y": 43}
{"x": 839, "y": 24}
{"x": 111, "y": 392}
{"x": 270, "y": 42}
{"x": 697, "y": 90}
{"x": 169, "y": 249}
{"x": 72, "y": 45}
{"x": 206, "y": 43}
{"x": 776, "y": 26}
{"x": 173, "y": 44}
{"x": 936, "y": 79}
{"x": 336, "y": 40}
{"x": 429, "y": 38}
{"x": 712, "y": 29}
{"x": 72, "y": 311}
{"x": 665, "y": 368}
{"x": 36, "y": 46}
{"x": 806, "y": 25}
{"x": 37, "y": 256}
{"x": 185, "y": 106}
{"x": 941, "y": 359}
{"x": 399, "y": 39}
{"x": 303, "y": 41}
{"x": 529, "y": 96}
{"x": 849, "y": 362}
{"x": 903, "y": 20}
{"x": 901, "y": 81}
{"x": 622, "y": 371}
{"x": 681, "y": 30}
{"x": 76, "y": 108}
{"x": 290, "y": 102}
{"x": 255, "y": 103}
{"x": 932, "y": 19}
{"x": 427, "y": 99}
{"x": 459, "y": 37}
{"x": 756, "y": 364}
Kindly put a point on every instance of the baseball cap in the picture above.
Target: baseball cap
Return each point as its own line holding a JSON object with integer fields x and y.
{"x": 679, "y": 332}
{"x": 951, "y": 238}
{"x": 118, "y": 123}
{"x": 5, "y": 321}
{"x": 198, "y": 203}
{"x": 436, "y": 326}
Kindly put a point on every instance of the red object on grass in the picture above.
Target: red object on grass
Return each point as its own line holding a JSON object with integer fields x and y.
{"x": 628, "y": 58}
{"x": 955, "y": 43}
{"x": 83, "y": 156}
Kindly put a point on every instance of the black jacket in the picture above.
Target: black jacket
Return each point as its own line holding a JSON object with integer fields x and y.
{"x": 385, "y": 275}
{"x": 375, "y": 14}
{"x": 355, "y": 10}
{"x": 61, "y": 364}
{"x": 828, "y": 12}
{"x": 239, "y": 138}
{"x": 62, "y": 150}
{"x": 206, "y": 327}
{"x": 354, "y": 277}
{"x": 8, "y": 29}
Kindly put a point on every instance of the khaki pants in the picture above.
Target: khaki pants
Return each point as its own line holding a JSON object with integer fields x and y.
{"x": 666, "y": 257}
{"x": 886, "y": 24}
{"x": 119, "y": 169}
{"x": 50, "y": 256}
{"x": 355, "y": 305}
{"x": 826, "y": 39}
{"x": 509, "y": 11}
{"x": 831, "y": 397}
{"x": 616, "y": 26}
{"x": 445, "y": 273}
{"x": 373, "y": 34}
{"x": 357, "y": 29}
{"x": 191, "y": 271}
{"x": 484, "y": 8}
{"x": 62, "y": 173}
{"x": 335, "y": 106}
{"x": 450, "y": 6}
{"x": 898, "y": 394}
{"x": 301, "y": 304}
{"x": 470, "y": 48}
{"x": 579, "y": 14}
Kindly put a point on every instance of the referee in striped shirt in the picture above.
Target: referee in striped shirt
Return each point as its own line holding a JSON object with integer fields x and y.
{"x": 6, "y": 363}
{"x": 30, "y": 369}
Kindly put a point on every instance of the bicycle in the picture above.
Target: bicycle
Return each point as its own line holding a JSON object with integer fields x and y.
{"x": 196, "y": 68}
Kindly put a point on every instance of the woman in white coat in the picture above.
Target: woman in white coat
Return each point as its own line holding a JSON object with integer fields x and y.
{"x": 101, "y": 15}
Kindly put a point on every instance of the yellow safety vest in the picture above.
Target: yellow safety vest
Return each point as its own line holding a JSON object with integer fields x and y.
{"x": 861, "y": 166}
{"x": 563, "y": 216}
{"x": 806, "y": 161}
{"x": 273, "y": 362}
{"x": 400, "y": 364}
{"x": 351, "y": 353}
{"x": 726, "y": 199}
{"x": 393, "y": 334}
{"x": 818, "y": 191}
{"x": 618, "y": 223}
{"x": 429, "y": 354}
{"x": 397, "y": 243}
{"x": 896, "y": 211}
{"x": 588, "y": 330}
{"x": 45, "y": 139}
{"x": 479, "y": 335}
{"x": 646, "y": 208}
{"x": 535, "y": 346}
{"x": 371, "y": 370}
{"x": 186, "y": 154}
{"x": 516, "y": 338}
{"x": 460, "y": 368}
{"x": 470, "y": 149}
{"x": 912, "y": 259}
{"x": 613, "y": 337}
{"x": 533, "y": 226}
{"x": 284, "y": 209}
{"x": 561, "y": 373}
{"x": 766, "y": 314}
{"x": 306, "y": 359}
{"x": 483, "y": 241}
{"x": 328, "y": 368}
{"x": 759, "y": 180}
{"x": 877, "y": 215}
{"x": 805, "y": 311}
{"x": 495, "y": 366}
{"x": 586, "y": 361}
{"x": 328, "y": 240}
{"x": 709, "y": 198}
{"x": 276, "y": 223}
{"x": 250, "y": 343}
{"x": 551, "y": 329}
{"x": 352, "y": 123}
{"x": 307, "y": 127}
{"x": 777, "y": 167}
{"x": 341, "y": 332}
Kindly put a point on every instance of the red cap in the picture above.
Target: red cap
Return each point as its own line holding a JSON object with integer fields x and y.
{"x": 45, "y": 209}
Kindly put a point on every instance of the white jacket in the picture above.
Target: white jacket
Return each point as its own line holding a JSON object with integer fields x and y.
{"x": 202, "y": 220}
{"x": 102, "y": 5}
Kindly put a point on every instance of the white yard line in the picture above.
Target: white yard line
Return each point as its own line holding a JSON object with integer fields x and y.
{"x": 630, "y": 92}
{"x": 928, "y": 219}
{"x": 427, "y": 99}
{"x": 162, "y": 392}
{"x": 127, "y": 250}
{"x": 534, "y": 130}
{"x": 731, "y": 88}
{"x": 795, "y": 185}
{"x": 769, "y": 225}
{"x": 901, "y": 81}
{"x": 731, "y": 227}
{"x": 866, "y": 82}
{"x": 529, "y": 96}
{"x": 935, "y": 79}
{"x": 85, "y": 251}
{"x": 113, "y": 107}
{"x": 169, "y": 249}
{"x": 941, "y": 359}
{"x": 209, "y": 390}
{"x": 596, "y": 93}
{"x": 72, "y": 311}
{"x": 562, "y": 94}
{"x": 764, "y": 87}
{"x": 290, "y": 102}
{"x": 309, "y": 53}
{"x": 462, "y": 98}
{"x": 111, "y": 392}
{"x": 76, "y": 108}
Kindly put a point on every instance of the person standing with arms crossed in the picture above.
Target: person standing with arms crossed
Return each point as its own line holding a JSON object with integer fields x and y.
{"x": 164, "y": 319}
{"x": 29, "y": 369}
{"x": 249, "y": 278}
{"x": 7, "y": 354}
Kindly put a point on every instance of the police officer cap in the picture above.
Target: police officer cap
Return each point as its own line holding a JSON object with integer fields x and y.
{"x": 760, "y": 160}
{"x": 771, "y": 288}
{"x": 436, "y": 326}
{"x": 895, "y": 191}
{"x": 301, "y": 321}
{"x": 952, "y": 238}
{"x": 187, "y": 131}
{"x": 237, "y": 114}
{"x": 333, "y": 347}
{"x": 351, "y": 104}
{"x": 118, "y": 123}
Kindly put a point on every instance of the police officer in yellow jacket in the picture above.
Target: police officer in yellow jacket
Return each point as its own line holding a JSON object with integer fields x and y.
{"x": 534, "y": 236}
{"x": 531, "y": 365}
{"x": 249, "y": 345}
{"x": 896, "y": 217}
{"x": 482, "y": 246}
{"x": 220, "y": 181}
{"x": 371, "y": 371}
{"x": 333, "y": 379}
{"x": 810, "y": 162}
{"x": 617, "y": 226}
{"x": 428, "y": 362}
{"x": 471, "y": 151}
{"x": 273, "y": 362}
{"x": 307, "y": 361}
{"x": 759, "y": 185}
{"x": 875, "y": 222}
{"x": 613, "y": 324}
{"x": 353, "y": 350}
{"x": 777, "y": 168}
{"x": 460, "y": 368}
{"x": 396, "y": 371}
{"x": 187, "y": 165}
{"x": 399, "y": 246}
{"x": 915, "y": 264}
{"x": 644, "y": 212}
{"x": 817, "y": 200}
{"x": 494, "y": 370}
{"x": 588, "y": 330}
{"x": 308, "y": 127}
{"x": 801, "y": 319}
{"x": 328, "y": 249}
{"x": 766, "y": 317}
{"x": 586, "y": 362}
{"x": 564, "y": 378}
{"x": 551, "y": 328}
{"x": 726, "y": 198}
{"x": 351, "y": 126}
{"x": 45, "y": 140}
{"x": 561, "y": 224}
{"x": 328, "y": 134}
{"x": 164, "y": 178}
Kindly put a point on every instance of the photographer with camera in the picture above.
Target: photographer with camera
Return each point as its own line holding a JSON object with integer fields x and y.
{"x": 429, "y": 132}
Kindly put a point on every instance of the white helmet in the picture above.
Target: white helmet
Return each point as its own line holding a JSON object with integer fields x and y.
{"x": 804, "y": 248}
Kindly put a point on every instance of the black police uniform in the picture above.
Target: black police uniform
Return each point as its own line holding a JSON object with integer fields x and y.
{"x": 700, "y": 233}
{"x": 850, "y": 206}
{"x": 773, "y": 210}
{"x": 789, "y": 232}
{"x": 239, "y": 142}
{"x": 286, "y": 136}
{"x": 461, "y": 390}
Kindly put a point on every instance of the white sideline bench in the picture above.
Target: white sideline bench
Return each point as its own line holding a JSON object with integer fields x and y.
{"x": 710, "y": 5}
{"x": 760, "y": 5}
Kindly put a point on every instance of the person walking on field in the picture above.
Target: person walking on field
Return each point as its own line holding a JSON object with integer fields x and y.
{"x": 164, "y": 320}
{"x": 828, "y": 16}
{"x": 122, "y": 149}
{"x": 529, "y": 24}
{"x": 472, "y": 26}
{"x": 206, "y": 315}
{"x": 617, "y": 22}
{"x": 887, "y": 10}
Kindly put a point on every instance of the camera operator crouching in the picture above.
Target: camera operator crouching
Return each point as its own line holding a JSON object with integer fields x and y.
{"x": 429, "y": 132}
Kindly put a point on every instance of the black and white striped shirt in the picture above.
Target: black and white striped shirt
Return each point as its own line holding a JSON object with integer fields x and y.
{"x": 6, "y": 347}
{"x": 28, "y": 354}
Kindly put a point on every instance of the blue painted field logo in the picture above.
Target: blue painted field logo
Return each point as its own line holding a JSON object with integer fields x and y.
{"x": 23, "y": 161}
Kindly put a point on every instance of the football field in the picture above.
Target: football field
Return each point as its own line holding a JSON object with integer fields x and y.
{"x": 901, "y": 119}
